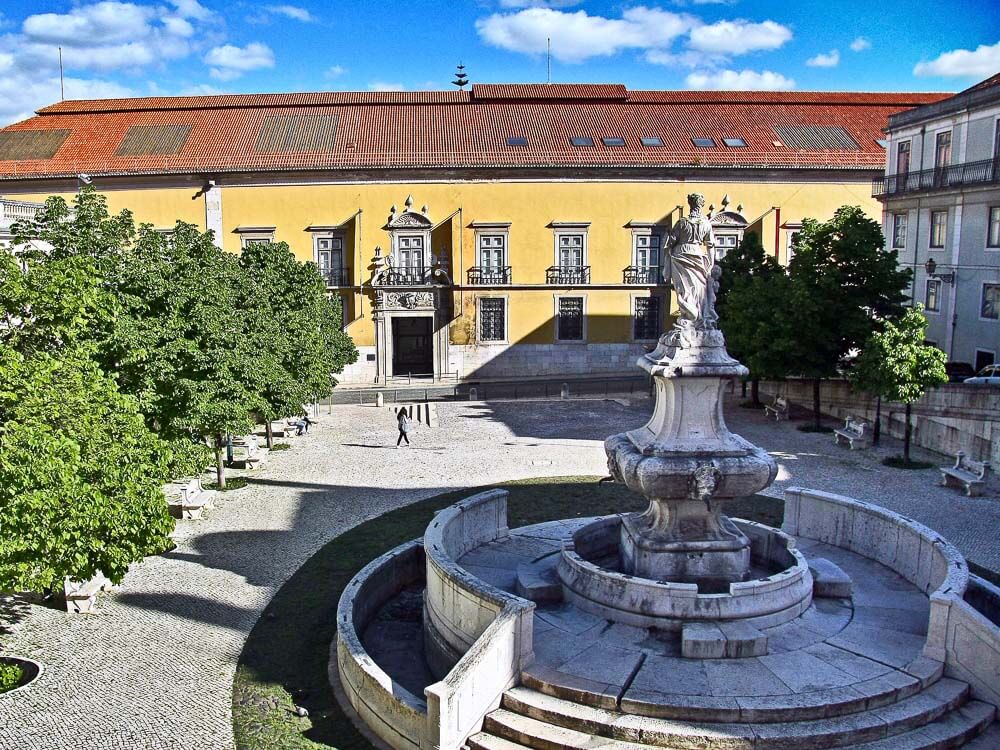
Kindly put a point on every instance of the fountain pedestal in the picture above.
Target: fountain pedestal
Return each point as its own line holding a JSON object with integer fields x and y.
{"x": 688, "y": 464}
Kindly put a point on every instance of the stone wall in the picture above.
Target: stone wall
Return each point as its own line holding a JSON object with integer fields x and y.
{"x": 491, "y": 361}
{"x": 948, "y": 419}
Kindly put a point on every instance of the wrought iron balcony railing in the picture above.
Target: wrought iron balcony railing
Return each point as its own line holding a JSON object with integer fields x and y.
{"x": 642, "y": 275}
{"x": 487, "y": 275}
{"x": 982, "y": 172}
{"x": 417, "y": 276}
{"x": 336, "y": 276}
{"x": 567, "y": 275}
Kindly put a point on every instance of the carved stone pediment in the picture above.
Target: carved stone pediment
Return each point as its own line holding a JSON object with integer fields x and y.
{"x": 729, "y": 219}
{"x": 405, "y": 300}
{"x": 409, "y": 220}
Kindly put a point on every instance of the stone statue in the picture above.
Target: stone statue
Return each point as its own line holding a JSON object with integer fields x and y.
{"x": 690, "y": 244}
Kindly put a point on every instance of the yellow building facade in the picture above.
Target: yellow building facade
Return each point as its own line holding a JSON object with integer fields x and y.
{"x": 464, "y": 270}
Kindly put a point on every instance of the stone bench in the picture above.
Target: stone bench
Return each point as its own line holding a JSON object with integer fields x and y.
{"x": 855, "y": 432}
{"x": 777, "y": 408}
{"x": 966, "y": 473}
{"x": 247, "y": 453}
{"x": 187, "y": 499}
{"x": 81, "y": 596}
{"x": 282, "y": 428}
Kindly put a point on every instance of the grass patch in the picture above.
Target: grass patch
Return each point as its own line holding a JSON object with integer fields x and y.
{"x": 813, "y": 428}
{"x": 898, "y": 462}
{"x": 281, "y": 447}
{"x": 11, "y": 675}
{"x": 284, "y": 660}
{"x": 232, "y": 483}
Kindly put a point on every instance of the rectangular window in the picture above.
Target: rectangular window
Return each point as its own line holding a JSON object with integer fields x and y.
{"x": 990, "y": 307}
{"x": 582, "y": 141}
{"x": 903, "y": 157}
{"x": 899, "y": 230}
{"x": 725, "y": 242}
{"x": 410, "y": 249}
{"x": 646, "y": 324}
{"x": 571, "y": 250}
{"x": 993, "y": 232}
{"x": 942, "y": 149}
{"x": 613, "y": 141}
{"x": 646, "y": 249}
{"x": 703, "y": 142}
{"x": 652, "y": 141}
{"x": 932, "y": 295}
{"x": 569, "y": 321}
{"x": 939, "y": 228}
{"x": 255, "y": 238}
{"x": 734, "y": 142}
{"x": 492, "y": 319}
{"x": 492, "y": 251}
{"x": 330, "y": 259}
{"x": 517, "y": 140}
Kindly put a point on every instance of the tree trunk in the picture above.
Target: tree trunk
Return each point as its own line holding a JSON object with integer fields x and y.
{"x": 269, "y": 433}
{"x": 220, "y": 466}
{"x": 755, "y": 391}
{"x": 906, "y": 436}
{"x": 877, "y": 429}
{"x": 816, "y": 414}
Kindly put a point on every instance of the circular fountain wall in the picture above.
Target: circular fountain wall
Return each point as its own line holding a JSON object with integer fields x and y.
{"x": 780, "y": 591}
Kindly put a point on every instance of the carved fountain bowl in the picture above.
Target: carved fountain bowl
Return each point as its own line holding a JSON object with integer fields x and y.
{"x": 779, "y": 591}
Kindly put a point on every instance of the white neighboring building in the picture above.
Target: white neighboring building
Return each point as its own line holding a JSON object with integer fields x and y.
{"x": 941, "y": 197}
{"x": 12, "y": 211}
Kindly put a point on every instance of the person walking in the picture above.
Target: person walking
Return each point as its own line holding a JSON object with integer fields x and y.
{"x": 403, "y": 420}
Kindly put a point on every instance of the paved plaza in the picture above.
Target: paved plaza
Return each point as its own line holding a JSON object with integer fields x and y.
{"x": 154, "y": 668}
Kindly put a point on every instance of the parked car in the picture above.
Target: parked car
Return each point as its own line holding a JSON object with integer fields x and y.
{"x": 989, "y": 375}
{"x": 959, "y": 371}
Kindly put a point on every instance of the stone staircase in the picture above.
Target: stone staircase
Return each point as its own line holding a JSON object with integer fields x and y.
{"x": 937, "y": 713}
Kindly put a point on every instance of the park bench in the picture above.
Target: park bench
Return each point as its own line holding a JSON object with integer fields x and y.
{"x": 247, "y": 452}
{"x": 778, "y": 408}
{"x": 186, "y": 498}
{"x": 81, "y": 596}
{"x": 855, "y": 432}
{"x": 282, "y": 428}
{"x": 966, "y": 473}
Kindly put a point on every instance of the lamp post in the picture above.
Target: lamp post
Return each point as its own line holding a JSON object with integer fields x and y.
{"x": 931, "y": 268}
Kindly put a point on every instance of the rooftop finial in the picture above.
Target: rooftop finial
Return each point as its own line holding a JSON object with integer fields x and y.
{"x": 461, "y": 79}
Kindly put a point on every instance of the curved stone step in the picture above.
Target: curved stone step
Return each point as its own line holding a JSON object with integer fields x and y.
{"x": 970, "y": 727}
{"x": 865, "y": 726}
{"x": 872, "y": 693}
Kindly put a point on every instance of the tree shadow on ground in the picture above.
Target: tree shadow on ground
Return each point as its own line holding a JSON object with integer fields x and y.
{"x": 13, "y": 609}
{"x": 287, "y": 652}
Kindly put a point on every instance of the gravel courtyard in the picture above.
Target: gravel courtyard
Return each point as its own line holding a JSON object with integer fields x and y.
{"x": 154, "y": 668}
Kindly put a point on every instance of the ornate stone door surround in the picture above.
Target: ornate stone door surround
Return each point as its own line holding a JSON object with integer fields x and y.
{"x": 409, "y": 303}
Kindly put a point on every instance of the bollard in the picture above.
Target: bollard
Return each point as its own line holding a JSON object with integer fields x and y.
{"x": 379, "y": 400}
{"x": 564, "y": 391}
{"x": 473, "y": 394}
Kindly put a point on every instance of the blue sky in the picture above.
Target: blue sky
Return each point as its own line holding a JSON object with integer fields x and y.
{"x": 166, "y": 47}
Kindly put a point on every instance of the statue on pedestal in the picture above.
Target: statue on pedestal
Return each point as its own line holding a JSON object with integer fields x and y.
{"x": 690, "y": 244}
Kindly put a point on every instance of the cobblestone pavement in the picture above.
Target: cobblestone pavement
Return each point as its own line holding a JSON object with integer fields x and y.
{"x": 154, "y": 668}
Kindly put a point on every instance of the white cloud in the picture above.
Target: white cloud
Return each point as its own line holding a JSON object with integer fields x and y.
{"x": 830, "y": 59}
{"x": 578, "y": 36}
{"x": 860, "y": 44}
{"x": 291, "y": 11}
{"x": 110, "y": 22}
{"x": 739, "y": 37}
{"x": 981, "y": 62}
{"x": 18, "y": 101}
{"x": 385, "y": 86}
{"x": 335, "y": 71}
{"x": 192, "y": 9}
{"x": 229, "y": 61}
{"x": 732, "y": 80}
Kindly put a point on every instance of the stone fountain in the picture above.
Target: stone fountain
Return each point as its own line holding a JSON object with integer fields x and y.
{"x": 685, "y": 460}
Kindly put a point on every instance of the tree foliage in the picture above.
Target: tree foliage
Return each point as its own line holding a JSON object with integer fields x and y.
{"x": 80, "y": 475}
{"x": 897, "y": 365}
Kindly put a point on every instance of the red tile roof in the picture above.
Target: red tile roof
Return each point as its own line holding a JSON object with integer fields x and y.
{"x": 454, "y": 129}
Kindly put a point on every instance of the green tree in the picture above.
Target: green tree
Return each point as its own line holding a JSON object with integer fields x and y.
{"x": 80, "y": 474}
{"x": 897, "y": 365}
{"x": 843, "y": 284}
{"x": 752, "y": 306}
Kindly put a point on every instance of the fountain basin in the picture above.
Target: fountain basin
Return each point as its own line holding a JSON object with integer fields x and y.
{"x": 767, "y": 600}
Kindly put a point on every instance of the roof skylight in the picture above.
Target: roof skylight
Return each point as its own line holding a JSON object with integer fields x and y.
{"x": 613, "y": 141}
{"x": 652, "y": 141}
{"x": 703, "y": 142}
{"x": 734, "y": 142}
{"x": 582, "y": 140}
{"x": 517, "y": 140}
